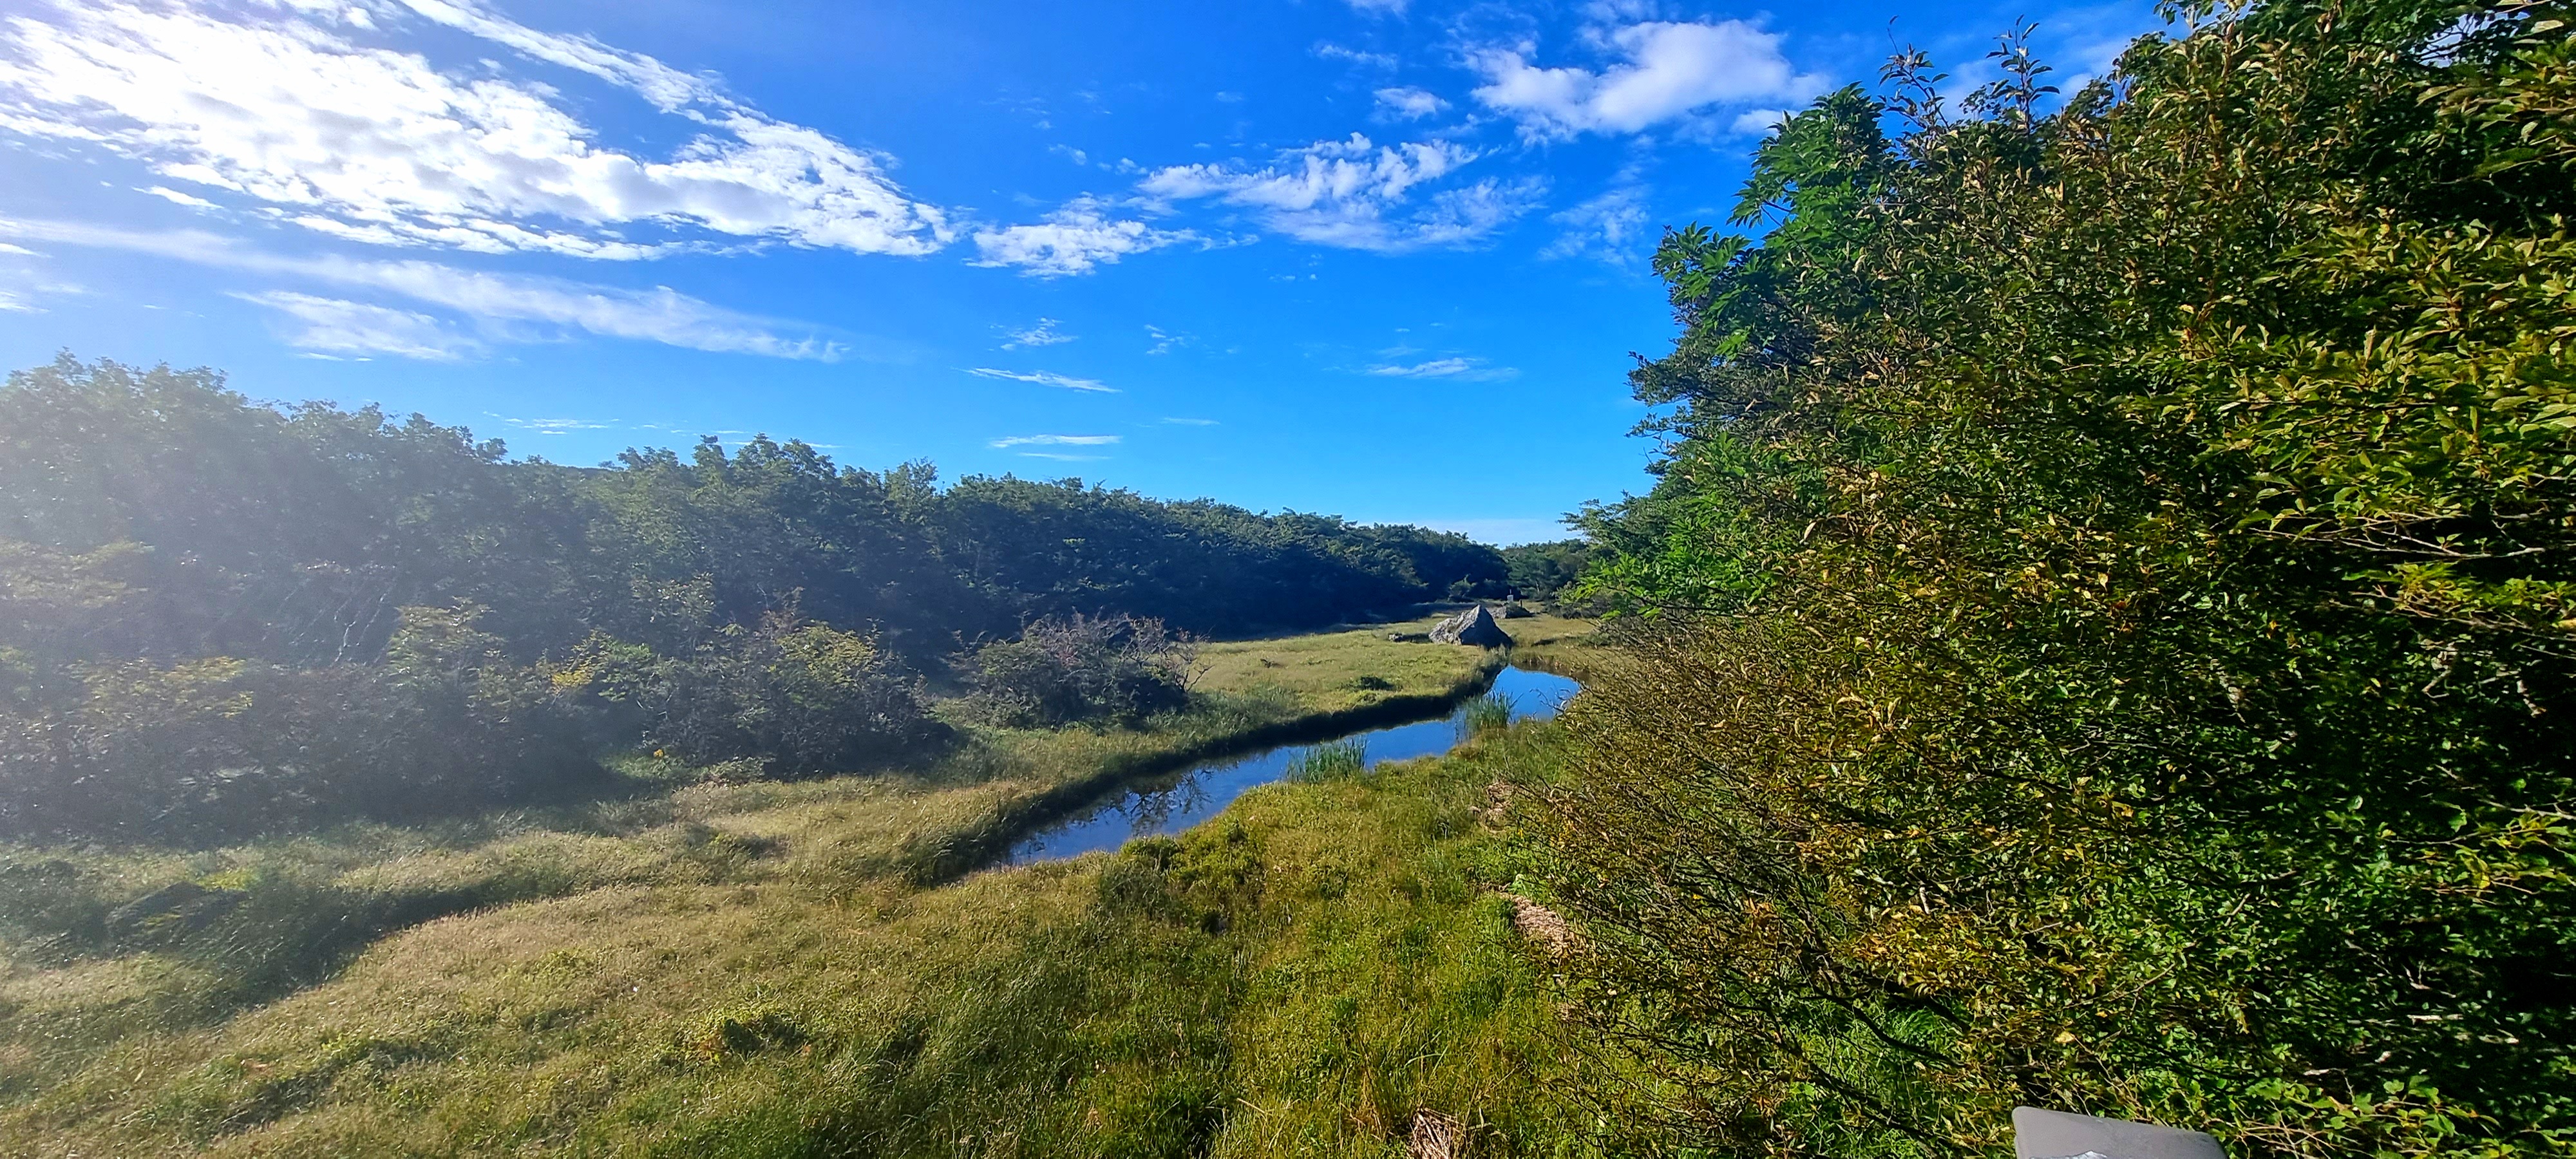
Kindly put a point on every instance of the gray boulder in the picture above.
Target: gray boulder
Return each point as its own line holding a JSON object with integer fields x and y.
{"x": 1514, "y": 611}
{"x": 1475, "y": 627}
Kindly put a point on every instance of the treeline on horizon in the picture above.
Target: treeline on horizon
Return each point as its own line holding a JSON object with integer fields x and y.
{"x": 2105, "y": 624}
{"x": 222, "y": 614}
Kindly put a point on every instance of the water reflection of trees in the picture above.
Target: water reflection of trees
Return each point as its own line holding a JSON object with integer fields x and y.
{"x": 1152, "y": 810}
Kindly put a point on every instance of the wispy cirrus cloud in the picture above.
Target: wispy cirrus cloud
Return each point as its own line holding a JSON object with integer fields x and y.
{"x": 1327, "y": 50}
{"x": 26, "y": 282}
{"x": 1043, "y": 333}
{"x": 1355, "y": 194}
{"x": 342, "y": 328}
{"x": 1456, "y": 369}
{"x": 1046, "y": 378}
{"x": 505, "y": 306}
{"x": 311, "y": 115}
{"x": 175, "y": 197}
{"x": 1021, "y": 443}
{"x": 563, "y": 426}
{"x": 1608, "y": 227}
{"x": 1055, "y": 441}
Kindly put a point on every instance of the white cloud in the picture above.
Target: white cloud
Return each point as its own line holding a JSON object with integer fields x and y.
{"x": 566, "y": 426}
{"x": 504, "y": 303}
{"x": 1076, "y": 239}
{"x": 1054, "y": 441}
{"x": 1045, "y": 378}
{"x": 1354, "y": 194}
{"x": 1667, "y": 71}
{"x": 1165, "y": 341}
{"x": 1042, "y": 334}
{"x": 1456, "y": 369}
{"x": 1179, "y": 422}
{"x": 660, "y": 314}
{"x": 1757, "y": 121}
{"x": 1409, "y": 103}
{"x": 25, "y": 286}
{"x": 1607, "y": 227}
{"x": 373, "y": 144}
{"x": 1380, "y": 7}
{"x": 175, "y": 197}
{"x": 667, "y": 88}
{"x": 334, "y": 326}
{"x": 1327, "y": 50}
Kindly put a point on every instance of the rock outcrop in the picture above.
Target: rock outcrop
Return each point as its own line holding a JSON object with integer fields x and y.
{"x": 1475, "y": 626}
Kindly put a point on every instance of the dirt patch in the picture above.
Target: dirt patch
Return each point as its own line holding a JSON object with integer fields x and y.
{"x": 1544, "y": 927}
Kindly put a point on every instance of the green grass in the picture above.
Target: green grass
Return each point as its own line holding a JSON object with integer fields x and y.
{"x": 1344, "y": 671}
{"x": 718, "y": 967}
{"x": 1330, "y": 761}
{"x": 1484, "y": 714}
{"x": 1299, "y": 976}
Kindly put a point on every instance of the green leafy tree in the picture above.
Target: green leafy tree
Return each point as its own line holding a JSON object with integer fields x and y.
{"x": 2105, "y": 642}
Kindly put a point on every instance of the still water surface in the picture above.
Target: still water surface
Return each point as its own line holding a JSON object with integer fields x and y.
{"x": 1173, "y": 803}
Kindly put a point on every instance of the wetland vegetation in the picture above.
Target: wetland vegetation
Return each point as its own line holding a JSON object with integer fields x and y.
{"x": 2099, "y": 638}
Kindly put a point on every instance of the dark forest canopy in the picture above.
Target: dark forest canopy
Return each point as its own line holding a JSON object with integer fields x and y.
{"x": 2108, "y": 610}
{"x": 171, "y": 552}
{"x": 1539, "y": 570}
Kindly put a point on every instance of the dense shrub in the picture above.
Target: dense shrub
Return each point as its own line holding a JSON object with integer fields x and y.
{"x": 2113, "y": 572}
{"x": 224, "y": 746}
{"x": 1538, "y": 571}
{"x": 798, "y": 697}
{"x": 1117, "y": 669}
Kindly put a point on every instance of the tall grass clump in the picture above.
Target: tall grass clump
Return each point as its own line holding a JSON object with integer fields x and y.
{"x": 1488, "y": 713}
{"x": 1330, "y": 761}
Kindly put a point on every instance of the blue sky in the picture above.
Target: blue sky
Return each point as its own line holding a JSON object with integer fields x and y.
{"x": 1380, "y": 258}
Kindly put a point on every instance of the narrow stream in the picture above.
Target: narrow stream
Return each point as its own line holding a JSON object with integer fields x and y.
{"x": 1173, "y": 803}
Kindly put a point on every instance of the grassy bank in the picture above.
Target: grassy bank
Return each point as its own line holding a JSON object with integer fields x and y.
{"x": 1309, "y": 974}
{"x": 679, "y": 878}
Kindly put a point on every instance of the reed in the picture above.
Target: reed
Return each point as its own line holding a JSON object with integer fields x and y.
{"x": 1332, "y": 760}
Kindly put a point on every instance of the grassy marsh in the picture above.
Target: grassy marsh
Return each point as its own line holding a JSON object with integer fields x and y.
{"x": 603, "y": 976}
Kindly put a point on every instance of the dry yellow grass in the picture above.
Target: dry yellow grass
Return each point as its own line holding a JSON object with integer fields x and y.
{"x": 592, "y": 1022}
